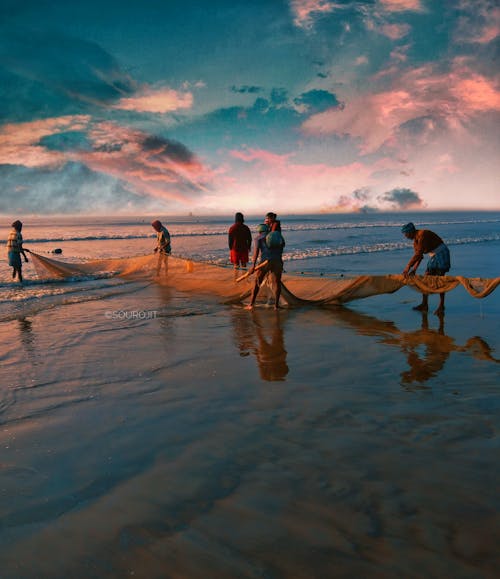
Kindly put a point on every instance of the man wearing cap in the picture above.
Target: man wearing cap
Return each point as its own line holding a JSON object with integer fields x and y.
{"x": 273, "y": 256}
{"x": 163, "y": 246}
{"x": 15, "y": 250}
{"x": 426, "y": 241}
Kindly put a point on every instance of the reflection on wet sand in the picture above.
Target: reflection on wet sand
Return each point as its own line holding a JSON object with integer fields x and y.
{"x": 26, "y": 331}
{"x": 261, "y": 333}
{"x": 436, "y": 344}
{"x": 426, "y": 349}
{"x": 27, "y": 337}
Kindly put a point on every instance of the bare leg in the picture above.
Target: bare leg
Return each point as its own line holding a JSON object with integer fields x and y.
{"x": 424, "y": 306}
{"x": 277, "y": 294}
{"x": 17, "y": 271}
{"x": 440, "y": 309}
{"x": 255, "y": 292}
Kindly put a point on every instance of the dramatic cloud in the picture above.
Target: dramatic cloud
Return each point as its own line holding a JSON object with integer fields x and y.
{"x": 451, "y": 99}
{"x": 342, "y": 104}
{"x": 148, "y": 165}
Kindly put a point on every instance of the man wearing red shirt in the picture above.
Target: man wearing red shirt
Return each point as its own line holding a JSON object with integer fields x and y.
{"x": 239, "y": 240}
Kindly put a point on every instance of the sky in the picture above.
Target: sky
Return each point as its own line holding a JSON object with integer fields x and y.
{"x": 295, "y": 106}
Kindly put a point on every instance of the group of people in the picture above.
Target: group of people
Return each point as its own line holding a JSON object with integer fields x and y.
{"x": 268, "y": 246}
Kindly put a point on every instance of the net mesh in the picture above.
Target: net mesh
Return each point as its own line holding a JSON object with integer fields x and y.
{"x": 201, "y": 277}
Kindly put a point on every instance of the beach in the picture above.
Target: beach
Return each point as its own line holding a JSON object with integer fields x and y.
{"x": 152, "y": 432}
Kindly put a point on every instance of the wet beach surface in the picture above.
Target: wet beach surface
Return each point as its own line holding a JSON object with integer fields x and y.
{"x": 207, "y": 441}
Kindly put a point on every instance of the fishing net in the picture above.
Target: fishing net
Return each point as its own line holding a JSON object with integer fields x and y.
{"x": 200, "y": 277}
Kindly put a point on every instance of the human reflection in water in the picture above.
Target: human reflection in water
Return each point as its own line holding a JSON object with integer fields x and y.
{"x": 437, "y": 345}
{"x": 262, "y": 334}
{"x": 26, "y": 334}
{"x": 437, "y": 349}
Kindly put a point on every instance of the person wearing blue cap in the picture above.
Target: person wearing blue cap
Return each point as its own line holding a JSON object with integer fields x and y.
{"x": 271, "y": 253}
{"x": 426, "y": 241}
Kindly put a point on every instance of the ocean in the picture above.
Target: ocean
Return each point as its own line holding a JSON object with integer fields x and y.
{"x": 151, "y": 432}
{"x": 327, "y": 244}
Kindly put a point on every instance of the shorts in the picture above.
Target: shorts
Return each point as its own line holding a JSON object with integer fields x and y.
{"x": 15, "y": 259}
{"x": 238, "y": 257}
{"x": 439, "y": 263}
{"x": 274, "y": 266}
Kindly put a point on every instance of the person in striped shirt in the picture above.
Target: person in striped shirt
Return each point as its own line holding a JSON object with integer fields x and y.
{"x": 15, "y": 250}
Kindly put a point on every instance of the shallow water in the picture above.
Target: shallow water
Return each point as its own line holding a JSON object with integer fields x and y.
{"x": 206, "y": 441}
{"x": 200, "y": 440}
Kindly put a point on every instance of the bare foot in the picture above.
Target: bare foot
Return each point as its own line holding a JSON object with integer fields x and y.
{"x": 421, "y": 308}
{"x": 249, "y": 307}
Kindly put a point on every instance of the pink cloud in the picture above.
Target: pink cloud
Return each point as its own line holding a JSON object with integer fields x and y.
{"x": 262, "y": 156}
{"x": 401, "y": 5}
{"x": 150, "y": 165}
{"x": 20, "y": 143}
{"x": 373, "y": 119}
{"x": 156, "y": 101}
{"x": 301, "y": 186}
{"x": 305, "y": 11}
{"x": 479, "y": 22}
{"x": 394, "y": 31}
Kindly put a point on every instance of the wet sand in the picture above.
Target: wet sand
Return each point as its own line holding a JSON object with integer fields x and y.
{"x": 207, "y": 441}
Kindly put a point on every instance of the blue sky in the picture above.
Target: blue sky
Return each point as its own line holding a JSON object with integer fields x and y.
{"x": 298, "y": 105}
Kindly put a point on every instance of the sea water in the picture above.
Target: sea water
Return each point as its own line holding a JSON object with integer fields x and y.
{"x": 326, "y": 244}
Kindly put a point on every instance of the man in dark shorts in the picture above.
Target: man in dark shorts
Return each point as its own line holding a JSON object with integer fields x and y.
{"x": 239, "y": 240}
{"x": 15, "y": 250}
{"x": 274, "y": 265}
{"x": 426, "y": 241}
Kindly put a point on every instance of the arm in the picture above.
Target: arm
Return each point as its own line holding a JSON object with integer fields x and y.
{"x": 418, "y": 254}
{"x": 413, "y": 263}
{"x": 21, "y": 249}
{"x": 255, "y": 255}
